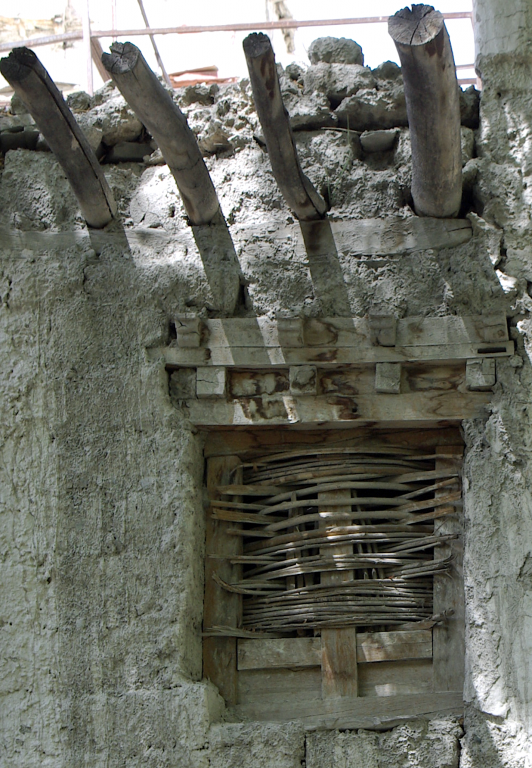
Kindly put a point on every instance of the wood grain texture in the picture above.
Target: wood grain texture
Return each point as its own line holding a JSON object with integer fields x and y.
{"x": 251, "y": 443}
{"x": 390, "y": 410}
{"x": 156, "y": 109}
{"x": 351, "y": 713}
{"x": 433, "y": 108}
{"x": 284, "y": 652}
{"x": 395, "y": 678}
{"x": 221, "y": 607}
{"x": 393, "y": 646}
{"x": 390, "y": 236}
{"x": 449, "y": 637}
{"x": 372, "y": 647}
{"x": 296, "y": 188}
{"x": 339, "y": 658}
{"x": 32, "y": 83}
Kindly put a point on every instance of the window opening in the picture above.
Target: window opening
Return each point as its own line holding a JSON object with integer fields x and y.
{"x": 335, "y": 568}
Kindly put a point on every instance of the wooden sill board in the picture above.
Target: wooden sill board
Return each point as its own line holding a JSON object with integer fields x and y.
{"x": 364, "y": 712}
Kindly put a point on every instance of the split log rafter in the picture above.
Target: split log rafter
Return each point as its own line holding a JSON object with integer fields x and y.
{"x": 299, "y": 193}
{"x": 433, "y": 108}
{"x": 156, "y": 109}
{"x": 32, "y": 83}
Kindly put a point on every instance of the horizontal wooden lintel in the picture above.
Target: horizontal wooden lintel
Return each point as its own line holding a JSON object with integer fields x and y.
{"x": 429, "y": 407}
{"x": 390, "y": 236}
{"x": 260, "y": 342}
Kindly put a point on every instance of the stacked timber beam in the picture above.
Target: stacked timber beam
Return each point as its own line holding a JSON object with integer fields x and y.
{"x": 299, "y": 193}
{"x": 243, "y": 371}
{"x": 32, "y": 83}
{"x": 156, "y": 109}
{"x": 433, "y": 108}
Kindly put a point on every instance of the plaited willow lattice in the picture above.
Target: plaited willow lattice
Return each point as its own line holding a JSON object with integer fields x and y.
{"x": 338, "y": 537}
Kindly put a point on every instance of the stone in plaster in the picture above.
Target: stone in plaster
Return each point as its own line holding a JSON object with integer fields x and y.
{"x": 270, "y": 745}
{"x": 378, "y": 141}
{"x": 416, "y": 744}
{"x": 303, "y": 380}
{"x": 338, "y": 50}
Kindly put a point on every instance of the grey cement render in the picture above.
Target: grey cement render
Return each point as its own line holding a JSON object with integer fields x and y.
{"x": 101, "y": 533}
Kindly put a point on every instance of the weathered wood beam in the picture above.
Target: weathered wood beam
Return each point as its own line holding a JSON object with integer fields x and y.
{"x": 96, "y": 53}
{"x": 32, "y": 83}
{"x": 156, "y": 109}
{"x": 433, "y": 108}
{"x": 297, "y": 190}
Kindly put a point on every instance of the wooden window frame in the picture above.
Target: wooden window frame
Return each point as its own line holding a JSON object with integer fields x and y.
{"x": 358, "y": 688}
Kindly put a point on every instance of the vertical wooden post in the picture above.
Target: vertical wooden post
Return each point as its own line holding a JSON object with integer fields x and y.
{"x": 86, "y": 22}
{"x": 448, "y": 639}
{"x": 221, "y": 608}
{"x": 338, "y": 646}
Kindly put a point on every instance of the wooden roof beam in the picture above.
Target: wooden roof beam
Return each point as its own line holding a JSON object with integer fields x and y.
{"x": 433, "y": 107}
{"x": 32, "y": 83}
{"x": 156, "y": 109}
{"x": 297, "y": 190}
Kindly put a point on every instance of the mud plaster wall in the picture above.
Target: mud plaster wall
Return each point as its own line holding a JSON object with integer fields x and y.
{"x": 101, "y": 510}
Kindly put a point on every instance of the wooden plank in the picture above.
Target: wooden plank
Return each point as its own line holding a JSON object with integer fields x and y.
{"x": 339, "y": 666}
{"x": 306, "y": 651}
{"x": 96, "y": 53}
{"x": 156, "y": 109}
{"x": 297, "y": 190}
{"x": 455, "y": 329}
{"x": 431, "y": 407}
{"x": 250, "y": 443}
{"x": 326, "y": 357}
{"x": 387, "y": 236}
{"x": 395, "y": 678}
{"x": 393, "y": 646}
{"x": 354, "y": 331}
{"x": 23, "y": 70}
{"x": 352, "y": 381}
{"x": 449, "y": 637}
{"x": 221, "y": 607}
{"x": 338, "y": 660}
{"x": 284, "y": 652}
{"x": 273, "y": 686}
{"x": 351, "y": 713}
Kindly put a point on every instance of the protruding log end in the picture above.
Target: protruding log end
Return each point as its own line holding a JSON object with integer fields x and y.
{"x": 122, "y": 59}
{"x": 416, "y": 26}
{"x": 18, "y": 65}
{"x": 433, "y": 107}
{"x": 297, "y": 190}
{"x": 257, "y": 44}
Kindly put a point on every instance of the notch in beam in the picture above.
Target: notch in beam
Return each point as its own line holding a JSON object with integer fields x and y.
{"x": 32, "y": 83}
{"x": 156, "y": 109}
{"x": 299, "y": 193}
{"x": 433, "y": 107}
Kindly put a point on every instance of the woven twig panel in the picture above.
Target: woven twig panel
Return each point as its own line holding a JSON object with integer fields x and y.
{"x": 338, "y": 537}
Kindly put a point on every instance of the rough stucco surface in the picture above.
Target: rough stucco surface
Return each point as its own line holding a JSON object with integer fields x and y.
{"x": 101, "y": 539}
